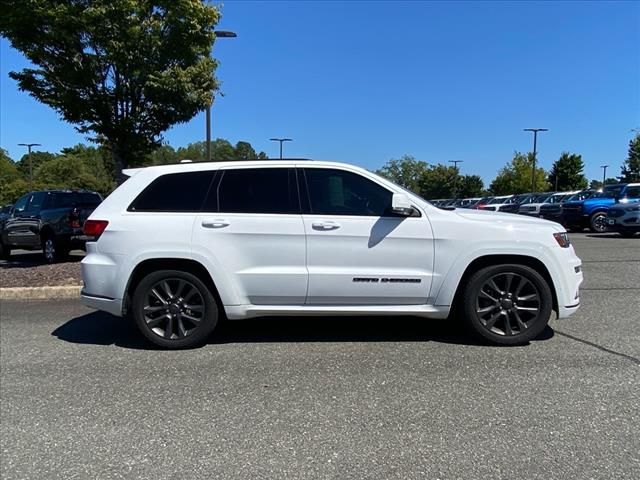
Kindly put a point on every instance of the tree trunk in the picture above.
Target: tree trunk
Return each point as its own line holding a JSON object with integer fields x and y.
{"x": 119, "y": 164}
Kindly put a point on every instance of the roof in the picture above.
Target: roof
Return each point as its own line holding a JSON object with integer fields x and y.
{"x": 198, "y": 166}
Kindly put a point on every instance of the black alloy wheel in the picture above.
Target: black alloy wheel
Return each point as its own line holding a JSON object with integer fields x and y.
{"x": 174, "y": 309}
{"x": 50, "y": 249}
{"x": 508, "y": 304}
{"x": 599, "y": 222}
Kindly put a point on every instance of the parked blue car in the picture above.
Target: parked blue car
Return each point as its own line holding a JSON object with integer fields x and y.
{"x": 592, "y": 212}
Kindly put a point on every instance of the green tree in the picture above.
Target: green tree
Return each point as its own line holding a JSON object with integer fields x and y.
{"x": 470, "y": 186}
{"x": 222, "y": 151}
{"x": 245, "y": 151}
{"x": 37, "y": 159}
{"x": 163, "y": 155}
{"x": 631, "y": 168}
{"x": 12, "y": 182}
{"x": 96, "y": 163}
{"x": 567, "y": 173}
{"x": 405, "y": 171}
{"x": 72, "y": 171}
{"x": 439, "y": 182}
{"x": 124, "y": 70}
{"x": 515, "y": 176}
{"x": 196, "y": 151}
{"x": 597, "y": 184}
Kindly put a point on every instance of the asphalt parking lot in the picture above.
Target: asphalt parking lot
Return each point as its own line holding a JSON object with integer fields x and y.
{"x": 82, "y": 396}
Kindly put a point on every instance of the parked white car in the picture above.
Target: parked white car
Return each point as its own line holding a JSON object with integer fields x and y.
{"x": 178, "y": 246}
{"x": 495, "y": 203}
{"x": 533, "y": 207}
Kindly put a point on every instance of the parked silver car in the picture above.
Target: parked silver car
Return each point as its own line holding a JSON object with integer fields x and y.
{"x": 624, "y": 218}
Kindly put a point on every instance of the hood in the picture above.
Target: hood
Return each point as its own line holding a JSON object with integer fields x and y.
{"x": 599, "y": 201}
{"x": 507, "y": 219}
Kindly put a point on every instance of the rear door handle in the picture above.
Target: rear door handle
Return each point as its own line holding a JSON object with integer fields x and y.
{"x": 325, "y": 225}
{"x": 215, "y": 223}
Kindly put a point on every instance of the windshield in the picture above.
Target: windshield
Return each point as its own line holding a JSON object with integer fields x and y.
{"x": 579, "y": 196}
{"x": 555, "y": 198}
{"x": 497, "y": 200}
{"x": 612, "y": 190}
{"x": 609, "y": 192}
{"x": 540, "y": 198}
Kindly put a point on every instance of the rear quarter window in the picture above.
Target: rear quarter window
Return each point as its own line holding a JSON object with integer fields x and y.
{"x": 87, "y": 199}
{"x": 174, "y": 192}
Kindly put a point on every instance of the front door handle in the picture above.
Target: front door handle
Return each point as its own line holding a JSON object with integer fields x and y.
{"x": 325, "y": 225}
{"x": 215, "y": 223}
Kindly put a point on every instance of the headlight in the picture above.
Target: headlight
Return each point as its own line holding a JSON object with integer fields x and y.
{"x": 562, "y": 239}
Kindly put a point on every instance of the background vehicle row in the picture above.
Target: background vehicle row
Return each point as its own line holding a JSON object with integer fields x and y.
{"x": 576, "y": 210}
{"x": 50, "y": 220}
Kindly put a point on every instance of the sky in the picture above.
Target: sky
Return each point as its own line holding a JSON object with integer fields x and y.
{"x": 364, "y": 82}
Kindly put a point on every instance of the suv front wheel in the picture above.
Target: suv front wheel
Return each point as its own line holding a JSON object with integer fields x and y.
{"x": 598, "y": 222}
{"x": 507, "y": 304}
{"x": 174, "y": 309}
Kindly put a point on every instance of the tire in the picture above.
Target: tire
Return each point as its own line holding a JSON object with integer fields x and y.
{"x": 166, "y": 305}
{"x": 499, "y": 303}
{"x": 598, "y": 222}
{"x": 53, "y": 250}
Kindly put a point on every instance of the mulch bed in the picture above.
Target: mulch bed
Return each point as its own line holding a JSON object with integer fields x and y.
{"x": 28, "y": 269}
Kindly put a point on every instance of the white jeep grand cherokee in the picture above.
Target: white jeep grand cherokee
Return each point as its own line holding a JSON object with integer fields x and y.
{"x": 179, "y": 246}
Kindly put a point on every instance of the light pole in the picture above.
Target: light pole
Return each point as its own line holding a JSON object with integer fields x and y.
{"x": 29, "y": 145}
{"x": 281, "y": 140}
{"x": 604, "y": 174}
{"x": 455, "y": 184}
{"x": 535, "y": 141}
{"x": 218, "y": 34}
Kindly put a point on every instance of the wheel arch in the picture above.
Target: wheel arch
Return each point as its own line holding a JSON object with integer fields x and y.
{"x": 46, "y": 231}
{"x": 491, "y": 260}
{"x": 145, "y": 267}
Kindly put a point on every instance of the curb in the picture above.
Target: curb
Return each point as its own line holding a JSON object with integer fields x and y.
{"x": 40, "y": 293}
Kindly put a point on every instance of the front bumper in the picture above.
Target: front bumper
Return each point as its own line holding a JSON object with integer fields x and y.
{"x": 623, "y": 224}
{"x": 568, "y": 282}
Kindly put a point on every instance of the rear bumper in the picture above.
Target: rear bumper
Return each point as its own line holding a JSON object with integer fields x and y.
{"x": 110, "y": 305}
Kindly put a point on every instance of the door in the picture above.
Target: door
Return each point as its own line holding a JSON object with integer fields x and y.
{"x": 358, "y": 251}
{"x": 252, "y": 227}
{"x": 22, "y": 228}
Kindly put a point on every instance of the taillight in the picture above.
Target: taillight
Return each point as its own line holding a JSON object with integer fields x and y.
{"x": 94, "y": 228}
{"x": 563, "y": 239}
{"x": 74, "y": 218}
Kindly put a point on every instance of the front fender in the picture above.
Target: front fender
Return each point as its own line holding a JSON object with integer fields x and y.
{"x": 446, "y": 284}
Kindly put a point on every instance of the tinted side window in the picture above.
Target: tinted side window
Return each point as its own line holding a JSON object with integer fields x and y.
{"x": 174, "y": 192}
{"x": 337, "y": 192}
{"x": 632, "y": 192}
{"x": 21, "y": 203}
{"x": 60, "y": 200}
{"x": 37, "y": 199}
{"x": 86, "y": 199}
{"x": 257, "y": 190}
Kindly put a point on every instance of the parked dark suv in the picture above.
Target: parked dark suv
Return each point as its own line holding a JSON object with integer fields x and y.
{"x": 51, "y": 220}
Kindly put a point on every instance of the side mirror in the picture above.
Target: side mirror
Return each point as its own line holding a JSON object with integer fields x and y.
{"x": 401, "y": 205}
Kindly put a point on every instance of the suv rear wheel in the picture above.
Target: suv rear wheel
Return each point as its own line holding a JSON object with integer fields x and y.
{"x": 174, "y": 309}
{"x": 507, "y": 304}
{"x": 52, "y": 250}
